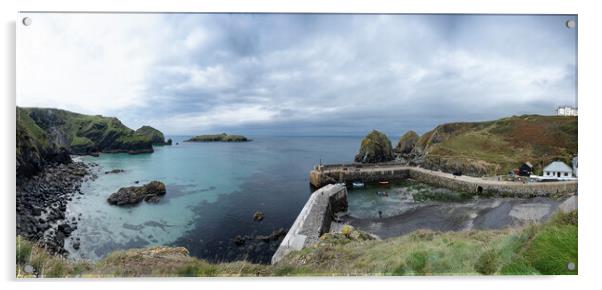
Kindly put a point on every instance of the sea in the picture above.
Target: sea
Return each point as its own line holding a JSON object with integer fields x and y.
{"x": 213, "y": 191}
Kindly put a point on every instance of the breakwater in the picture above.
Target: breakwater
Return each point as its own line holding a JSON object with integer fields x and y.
{"x": 347, "y": 173}
{"x": 314, "y": 219}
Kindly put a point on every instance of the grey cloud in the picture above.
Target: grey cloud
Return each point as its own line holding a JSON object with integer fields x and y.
{"x": 347, "y": 74}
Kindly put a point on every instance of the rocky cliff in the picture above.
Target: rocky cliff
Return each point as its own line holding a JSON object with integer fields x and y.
{"x": 375, "y": 147}
{"x": 494, "y": 147}
{"x": 407, "y": 142}
{"x": 34, "y": 149}
{"x": 50, "y": 135}
{"x": 156, "y": 137}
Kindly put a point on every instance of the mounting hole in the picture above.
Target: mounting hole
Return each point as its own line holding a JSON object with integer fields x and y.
{"x": 570, "y": 24}
{"x": 571, "y": 266}
{"x": 26, "y": 21}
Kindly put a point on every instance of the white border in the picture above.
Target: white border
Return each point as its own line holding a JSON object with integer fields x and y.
{"x": 589, "y": 131}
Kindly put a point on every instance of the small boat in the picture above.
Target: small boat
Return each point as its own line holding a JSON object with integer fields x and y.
{"x": 383, "y": 182}
{"x": 382, "y": 193}
{"x": 357, "y": 184}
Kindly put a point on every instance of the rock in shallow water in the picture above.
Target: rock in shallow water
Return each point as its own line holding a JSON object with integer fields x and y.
{"x": 150, "y": 192}
{"x": 258, "y": 216}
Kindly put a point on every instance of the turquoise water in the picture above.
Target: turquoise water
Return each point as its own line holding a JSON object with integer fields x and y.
{"x": 213, "y": 189}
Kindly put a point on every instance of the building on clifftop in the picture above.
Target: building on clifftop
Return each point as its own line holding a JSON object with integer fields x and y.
{"x": 566, "y": 111}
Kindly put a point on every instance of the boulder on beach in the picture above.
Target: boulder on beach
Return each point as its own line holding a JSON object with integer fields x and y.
{"x": 375, "y": 147}
{"x": 407, "y": 142}
{"x": 150, "y": 192}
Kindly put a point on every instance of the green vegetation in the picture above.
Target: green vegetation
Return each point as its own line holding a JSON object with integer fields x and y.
{"x": 33, "y": 149}
{"x": 535, "y": 249}
{"x": 496, "y": 147}
{"x": 156, "y": 137}
{"x": 407, "y": 142}
{"x": 441, "y": 195}
{"x": 219, "y": 138}
{"x": 87, "y": 133}
{"x": 42, "y": 132}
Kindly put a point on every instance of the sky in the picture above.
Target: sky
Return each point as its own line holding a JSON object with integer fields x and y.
{"x": 296, "y": 74}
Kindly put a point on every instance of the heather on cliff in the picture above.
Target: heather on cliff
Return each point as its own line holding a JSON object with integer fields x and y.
{"x": 495, "y": 147}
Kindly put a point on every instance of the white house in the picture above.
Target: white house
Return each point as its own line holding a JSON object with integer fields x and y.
{"x": 575, "y": 167}
{"x": 566, "y": 111}
{"x": 558, "y": 170}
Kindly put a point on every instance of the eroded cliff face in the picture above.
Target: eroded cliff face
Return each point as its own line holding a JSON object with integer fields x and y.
{"x": 34, "y": 148}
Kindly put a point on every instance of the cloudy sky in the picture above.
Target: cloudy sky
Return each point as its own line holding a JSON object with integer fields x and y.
{"x": 264, "y": 74}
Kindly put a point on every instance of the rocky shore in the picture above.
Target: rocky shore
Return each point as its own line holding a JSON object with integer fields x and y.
{"x": 42, "y": 202}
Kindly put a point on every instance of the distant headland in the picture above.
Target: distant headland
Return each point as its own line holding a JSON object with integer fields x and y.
{"x": 219, "y": 138}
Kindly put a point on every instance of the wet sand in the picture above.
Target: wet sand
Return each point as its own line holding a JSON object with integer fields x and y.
{"x": 484, "y": 213}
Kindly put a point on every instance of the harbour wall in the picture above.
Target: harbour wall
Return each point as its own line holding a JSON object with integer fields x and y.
{"x": 347, "y": 173}
{"x": 314, "y": 219}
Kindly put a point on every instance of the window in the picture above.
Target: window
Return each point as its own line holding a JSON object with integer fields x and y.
{"x": 566, "y": 174}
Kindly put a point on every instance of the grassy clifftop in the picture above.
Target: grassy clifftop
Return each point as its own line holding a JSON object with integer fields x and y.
{"x": 536, "y": 249}
{"x": 43, "y": 132}
{"x": 495, "y": 147}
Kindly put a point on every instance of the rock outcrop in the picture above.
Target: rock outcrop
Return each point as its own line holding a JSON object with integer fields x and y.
{"x": 407, "y": 142}
{"x": 375, "y": 147}
{"x": 219, "y": 138}
{"x": 150, "y": 192}
{"x": 156, "y": 137}
{"x": 258, "y": 216}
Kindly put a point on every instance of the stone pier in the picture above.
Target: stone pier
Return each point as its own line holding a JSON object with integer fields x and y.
{"x": 314, "y": 219}
{"x": 347, "y": 173}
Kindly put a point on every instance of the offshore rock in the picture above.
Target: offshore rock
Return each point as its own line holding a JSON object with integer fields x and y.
{"x": 150, "y": 192}
{"x": 375, "y": 147}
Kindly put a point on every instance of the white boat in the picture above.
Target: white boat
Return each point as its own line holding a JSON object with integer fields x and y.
{"x": 357, "y": 184}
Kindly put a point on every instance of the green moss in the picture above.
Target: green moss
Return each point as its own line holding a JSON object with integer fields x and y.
{"x": 447, "y": 196}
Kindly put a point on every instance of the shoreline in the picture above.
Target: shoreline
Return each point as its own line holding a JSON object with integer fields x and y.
{"x": 41, "y": 203}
